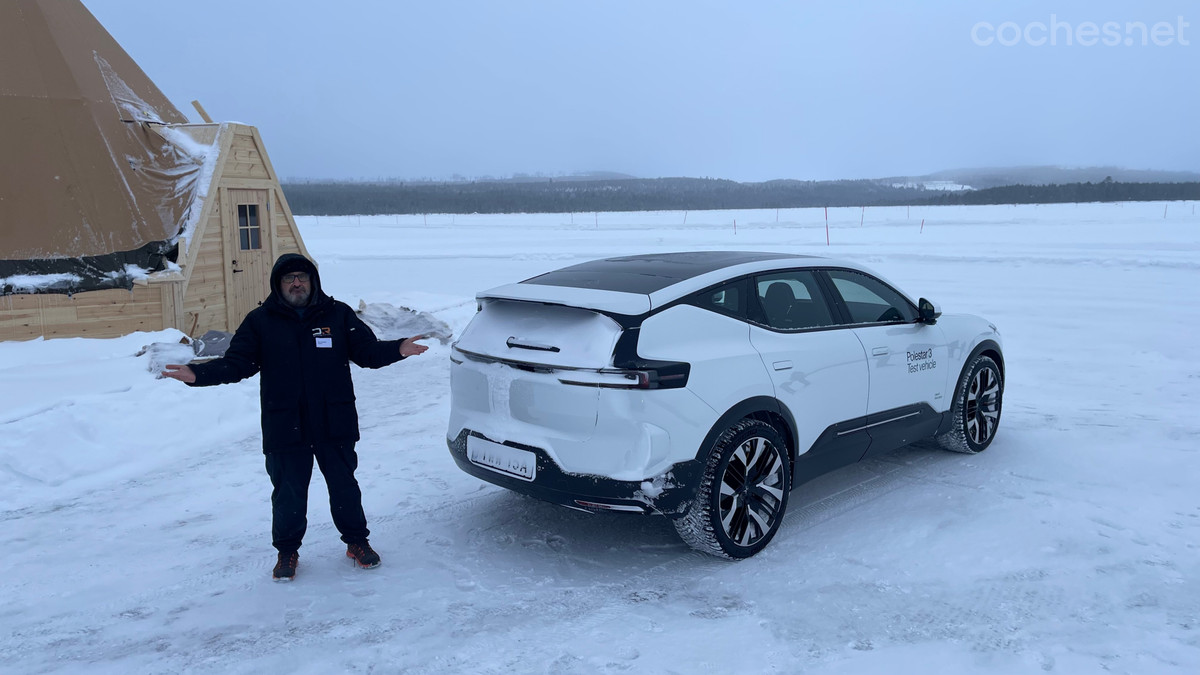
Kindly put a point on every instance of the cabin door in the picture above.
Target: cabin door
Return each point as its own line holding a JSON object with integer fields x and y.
{"x": 248, "y": 242}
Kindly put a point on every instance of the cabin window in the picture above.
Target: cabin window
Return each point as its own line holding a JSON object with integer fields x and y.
{"x": 249, "y": 234}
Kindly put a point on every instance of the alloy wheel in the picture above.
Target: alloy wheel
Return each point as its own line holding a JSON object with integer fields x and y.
{"x": 983, "y": 406}
{"x": 752, "y": 491}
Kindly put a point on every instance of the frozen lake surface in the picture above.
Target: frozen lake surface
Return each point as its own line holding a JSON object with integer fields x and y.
{"x": 136, "y": 519}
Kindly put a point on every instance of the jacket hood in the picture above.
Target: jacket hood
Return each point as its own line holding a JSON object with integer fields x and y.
{"x": 294, "y": 262}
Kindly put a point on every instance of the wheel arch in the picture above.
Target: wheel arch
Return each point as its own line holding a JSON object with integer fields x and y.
{"x": 989, "y": 348}
{"x": 765, "y": 408}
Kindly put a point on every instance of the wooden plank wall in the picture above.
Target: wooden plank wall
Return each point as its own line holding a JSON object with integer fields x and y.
{"x": 95, "y": 314}
{"x": 285, "y": 237}
{"x": 245, "y": 161}
{"x": 204, "y": 301}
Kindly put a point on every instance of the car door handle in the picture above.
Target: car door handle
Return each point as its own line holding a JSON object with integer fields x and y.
{"x": 782, "y": 365}
{"x": 879, "y": 351}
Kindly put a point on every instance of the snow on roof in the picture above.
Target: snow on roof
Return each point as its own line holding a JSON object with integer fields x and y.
{"x": 196, "y": 183}
{"x": 34, "y": 283}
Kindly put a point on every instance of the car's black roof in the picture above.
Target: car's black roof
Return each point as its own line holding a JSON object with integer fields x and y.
{"x": 651, "y": 272}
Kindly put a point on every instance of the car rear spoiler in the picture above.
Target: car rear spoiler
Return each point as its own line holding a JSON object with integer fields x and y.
{"x": 608, "y": 302}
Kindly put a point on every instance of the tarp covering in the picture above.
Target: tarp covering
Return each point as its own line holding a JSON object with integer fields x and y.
{"x": 88, "y": 183}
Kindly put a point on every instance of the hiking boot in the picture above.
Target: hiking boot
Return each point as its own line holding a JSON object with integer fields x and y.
{"x": 285, "y": 569}
{"x": 363, "y": 555}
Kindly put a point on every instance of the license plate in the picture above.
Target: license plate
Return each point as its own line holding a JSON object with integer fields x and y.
{"x": 503, "y": 459}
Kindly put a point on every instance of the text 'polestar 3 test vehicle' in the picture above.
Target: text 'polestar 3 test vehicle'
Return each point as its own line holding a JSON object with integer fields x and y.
{"x": 703, "y": 386}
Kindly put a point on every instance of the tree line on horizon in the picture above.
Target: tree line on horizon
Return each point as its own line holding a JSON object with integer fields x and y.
{"x": 1105, "y": 191}
{"x": 695, "y": 194}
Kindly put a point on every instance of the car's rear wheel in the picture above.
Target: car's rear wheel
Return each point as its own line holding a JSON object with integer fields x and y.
{"x": 976, "y": 409}
{"x": 743, "y": 493}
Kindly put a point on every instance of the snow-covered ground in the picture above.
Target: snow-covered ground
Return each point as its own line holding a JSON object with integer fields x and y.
{"x": 134, "y": 514}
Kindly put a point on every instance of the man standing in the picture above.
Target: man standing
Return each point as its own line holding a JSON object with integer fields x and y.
{"x": 302, "y": 341}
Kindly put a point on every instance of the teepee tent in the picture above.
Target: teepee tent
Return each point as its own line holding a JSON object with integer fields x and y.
{"x": 116, "y": 214}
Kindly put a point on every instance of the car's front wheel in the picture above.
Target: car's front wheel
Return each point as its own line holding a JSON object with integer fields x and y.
{"x": 743, "y": 493}
{"x": 976, "y": 409}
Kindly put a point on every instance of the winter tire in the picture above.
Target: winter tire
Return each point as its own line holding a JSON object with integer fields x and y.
{"x": 976, "y": 409}
{"x": 743, "y": 493}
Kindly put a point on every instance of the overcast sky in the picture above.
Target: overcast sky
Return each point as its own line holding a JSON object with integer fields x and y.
{"x": 744, "y": 90}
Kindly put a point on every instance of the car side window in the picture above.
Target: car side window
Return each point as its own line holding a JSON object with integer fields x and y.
{"x": 792, "y": 300}
{"x": 727, "y": 299}
{"x": 869, "y": 300}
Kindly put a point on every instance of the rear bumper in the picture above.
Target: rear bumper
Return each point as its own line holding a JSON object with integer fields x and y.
{"x": 667, "y": 494}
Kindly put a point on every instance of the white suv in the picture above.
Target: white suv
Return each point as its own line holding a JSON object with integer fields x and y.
{"x": 704, "y": 385}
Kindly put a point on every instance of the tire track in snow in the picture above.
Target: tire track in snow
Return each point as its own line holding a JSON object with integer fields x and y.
{"x": 609, "y": 601}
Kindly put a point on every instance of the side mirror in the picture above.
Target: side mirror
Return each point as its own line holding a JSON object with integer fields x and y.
{"x": 928, "y": 311}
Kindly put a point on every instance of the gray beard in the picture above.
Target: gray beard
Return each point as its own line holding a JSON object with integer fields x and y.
{"x": 297, "y": 300}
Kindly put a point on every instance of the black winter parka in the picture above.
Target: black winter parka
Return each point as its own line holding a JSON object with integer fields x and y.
{"x": 305, "y": 388}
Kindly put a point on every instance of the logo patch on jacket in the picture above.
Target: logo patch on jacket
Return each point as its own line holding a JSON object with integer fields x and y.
{"x": 324, "y": 337}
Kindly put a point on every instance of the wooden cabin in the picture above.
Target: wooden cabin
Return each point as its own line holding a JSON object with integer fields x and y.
{"x": 116, "y": 214}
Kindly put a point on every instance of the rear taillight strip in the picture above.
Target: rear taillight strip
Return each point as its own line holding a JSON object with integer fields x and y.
{"x": 647, "y": 374}
{"x": 669, "y": 376}
{"x": 613, "y": 379}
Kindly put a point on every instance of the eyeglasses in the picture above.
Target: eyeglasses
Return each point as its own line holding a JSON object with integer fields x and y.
{"x": 302, "y": 277}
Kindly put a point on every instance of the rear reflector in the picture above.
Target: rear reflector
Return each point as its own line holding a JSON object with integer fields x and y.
{"x": 610, "y": 507}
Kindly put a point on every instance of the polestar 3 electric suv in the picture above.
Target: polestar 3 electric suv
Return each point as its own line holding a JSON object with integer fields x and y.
{"x": 704, "y": 385}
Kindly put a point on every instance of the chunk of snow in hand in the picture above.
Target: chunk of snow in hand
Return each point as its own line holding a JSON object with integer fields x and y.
{"x": 160, "y": 354}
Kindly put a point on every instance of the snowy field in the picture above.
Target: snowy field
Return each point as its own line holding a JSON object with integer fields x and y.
{"x": 135, "y": 520}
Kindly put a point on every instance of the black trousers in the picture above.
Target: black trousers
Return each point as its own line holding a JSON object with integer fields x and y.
{"x": 291, "y": 473}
